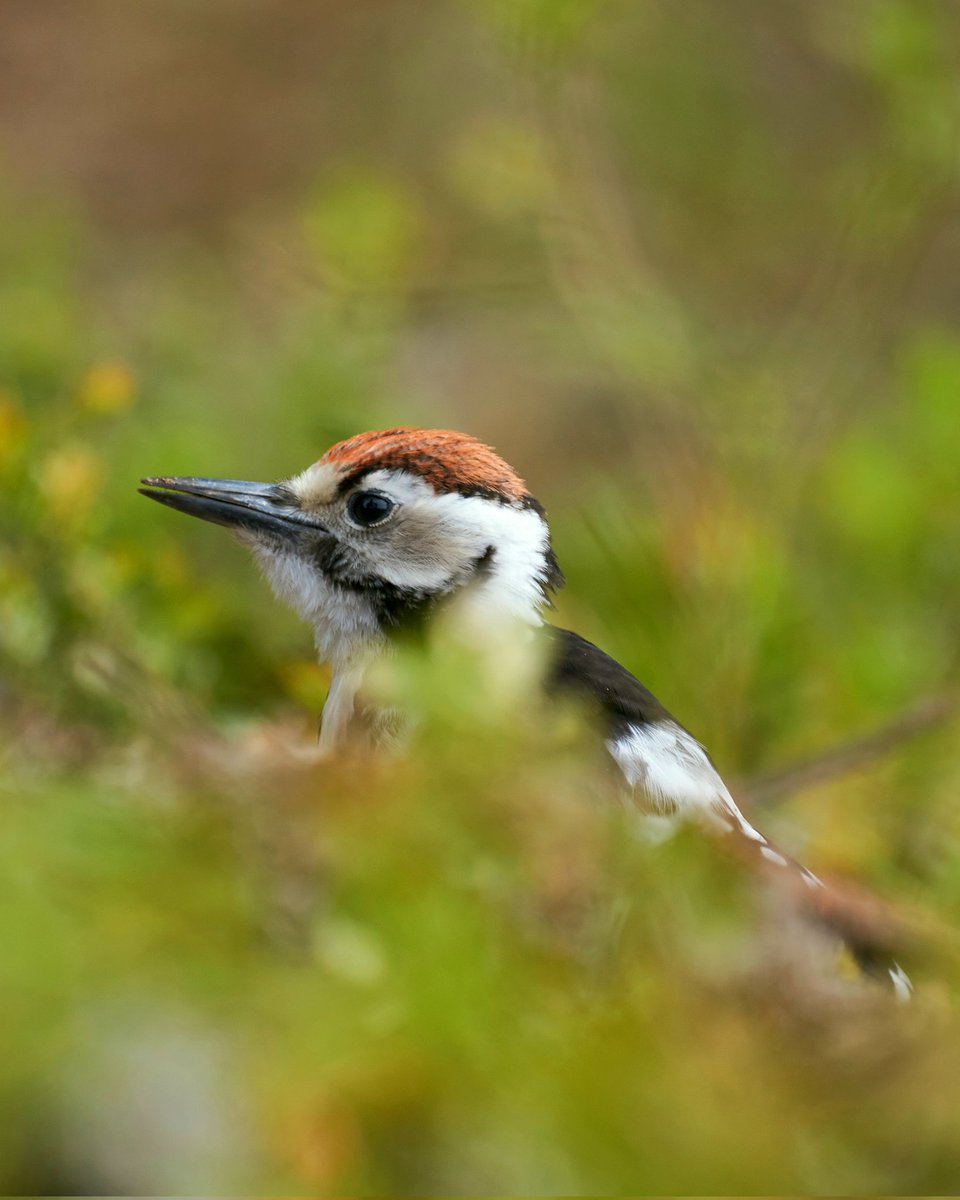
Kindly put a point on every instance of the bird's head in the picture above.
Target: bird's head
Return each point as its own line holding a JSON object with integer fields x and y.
{"x": 381, "y": 527}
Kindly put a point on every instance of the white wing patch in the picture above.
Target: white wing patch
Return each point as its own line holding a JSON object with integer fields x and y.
{"x": 671, "y": 769}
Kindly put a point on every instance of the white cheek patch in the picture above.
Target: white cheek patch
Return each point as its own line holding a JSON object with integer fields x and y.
{"x": 513, "y": 582}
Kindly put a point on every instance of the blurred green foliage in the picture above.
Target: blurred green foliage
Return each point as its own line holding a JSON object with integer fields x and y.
{"x": 692, "y": 270}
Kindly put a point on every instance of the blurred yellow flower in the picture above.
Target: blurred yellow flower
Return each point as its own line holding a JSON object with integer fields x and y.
{"x": 70, "y": 479}
{"x": 13, "y": 425}
{"x": 107, "y": 387}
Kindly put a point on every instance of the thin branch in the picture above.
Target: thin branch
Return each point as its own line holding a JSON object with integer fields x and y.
{"x": 849, "y": 756}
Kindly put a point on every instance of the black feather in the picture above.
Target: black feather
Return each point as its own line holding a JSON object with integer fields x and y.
{"x": 579, "y": 667}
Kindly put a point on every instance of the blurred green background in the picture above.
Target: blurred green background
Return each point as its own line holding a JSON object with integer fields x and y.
{"x": 693, "y": 269}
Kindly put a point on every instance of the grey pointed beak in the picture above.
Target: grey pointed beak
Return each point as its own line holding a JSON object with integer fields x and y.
{"x": 265, "y": 508}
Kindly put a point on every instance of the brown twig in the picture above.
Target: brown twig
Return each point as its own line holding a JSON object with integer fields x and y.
{"x": 853, "y": 754}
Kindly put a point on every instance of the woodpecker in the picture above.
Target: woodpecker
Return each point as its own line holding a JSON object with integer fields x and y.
{"x": 389, "y": 523}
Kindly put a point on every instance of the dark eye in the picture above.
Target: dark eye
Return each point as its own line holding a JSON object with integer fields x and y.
{"x": 369, "y": 508}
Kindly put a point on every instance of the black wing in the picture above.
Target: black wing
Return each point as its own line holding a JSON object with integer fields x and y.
{"x": 579, "y": 667}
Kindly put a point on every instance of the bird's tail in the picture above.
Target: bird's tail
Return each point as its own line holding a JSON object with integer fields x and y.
{"x": 875, "y": 936}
